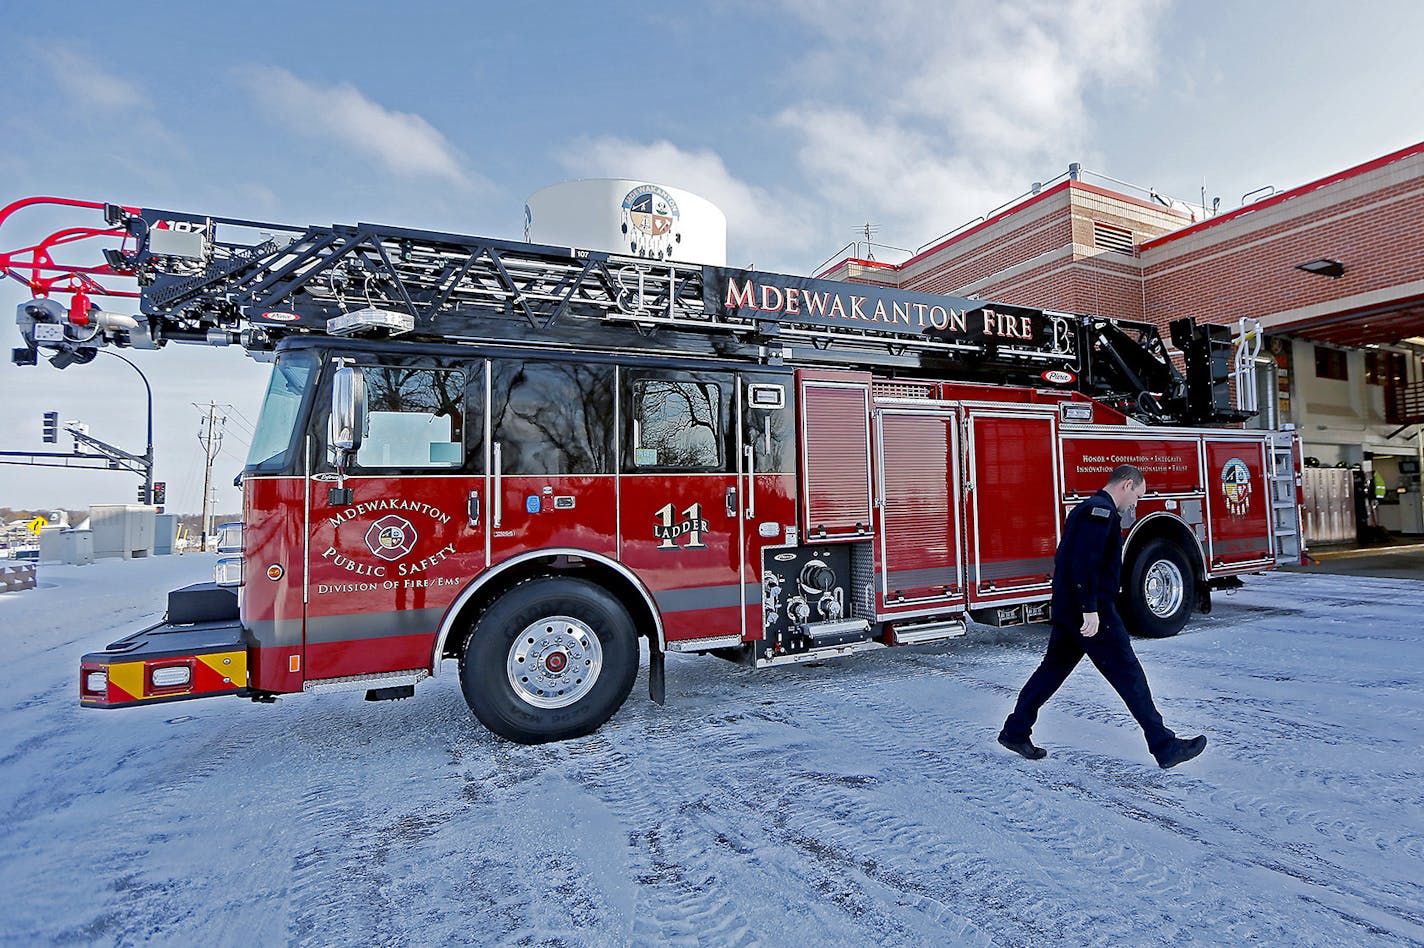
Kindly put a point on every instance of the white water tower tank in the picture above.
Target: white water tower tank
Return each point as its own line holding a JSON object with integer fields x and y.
{"x": 627, "y": 216}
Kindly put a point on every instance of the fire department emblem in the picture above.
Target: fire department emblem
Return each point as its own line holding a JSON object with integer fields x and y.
{"x": 391, "y": 537}
{"x": 1236, "y": 486}
{"x": 650, "y": 217}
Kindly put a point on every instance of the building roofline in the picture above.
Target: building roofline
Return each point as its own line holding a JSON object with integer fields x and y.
{"x": 1015, "y": 209}
{"x": 858, "y": 261}
{"x": 1283, "y": 196}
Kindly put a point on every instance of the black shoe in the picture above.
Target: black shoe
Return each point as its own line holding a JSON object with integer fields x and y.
{"x": 1024, "y": 748}
{"x": 1180, "y": 751}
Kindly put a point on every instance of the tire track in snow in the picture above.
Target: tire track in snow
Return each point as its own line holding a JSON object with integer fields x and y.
{"x": 522, "y": 883}
{"x": 681, "y": 899}
{"x": 1320, "y": 873}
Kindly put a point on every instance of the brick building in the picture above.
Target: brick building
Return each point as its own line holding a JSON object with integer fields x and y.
{"x": 1333, "y": 270}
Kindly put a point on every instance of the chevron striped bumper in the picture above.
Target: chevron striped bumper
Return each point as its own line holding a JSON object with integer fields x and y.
{"x": 166, "y": 663}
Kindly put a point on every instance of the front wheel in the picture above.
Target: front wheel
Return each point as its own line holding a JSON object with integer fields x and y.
{"x": 552, "y": 659}
{"x": 1157, "y": 597}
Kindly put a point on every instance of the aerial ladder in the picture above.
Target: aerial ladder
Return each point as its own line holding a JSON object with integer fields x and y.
{"x": 226, "y": 281}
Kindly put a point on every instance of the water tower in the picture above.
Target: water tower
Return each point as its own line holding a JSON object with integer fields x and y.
{"x": 628, "y": 216}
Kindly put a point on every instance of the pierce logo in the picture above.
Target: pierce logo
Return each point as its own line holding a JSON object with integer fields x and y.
{"x": 1059, "y": 377}
{"x": 1236, "y": 486}
{"x": 391, "y": 537}
{"x": 281, "y": 317}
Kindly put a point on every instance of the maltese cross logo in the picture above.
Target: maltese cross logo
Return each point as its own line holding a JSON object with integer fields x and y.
{"x": 391, "y": 537}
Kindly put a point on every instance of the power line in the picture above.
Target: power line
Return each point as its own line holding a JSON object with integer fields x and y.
{"x": 188, "y": 481}
{"x": 240, "y": 415}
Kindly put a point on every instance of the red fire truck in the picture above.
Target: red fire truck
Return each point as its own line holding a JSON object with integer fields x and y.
{"x": 534, "y": 459}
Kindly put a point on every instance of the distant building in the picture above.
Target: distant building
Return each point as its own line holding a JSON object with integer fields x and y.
{"x": 1334, "y": 271}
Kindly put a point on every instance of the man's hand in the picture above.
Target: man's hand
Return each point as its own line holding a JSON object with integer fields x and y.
{"x": 1090, "y": 625}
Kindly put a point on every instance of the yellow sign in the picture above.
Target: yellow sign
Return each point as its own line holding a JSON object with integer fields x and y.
{"x": 34, "y": 525}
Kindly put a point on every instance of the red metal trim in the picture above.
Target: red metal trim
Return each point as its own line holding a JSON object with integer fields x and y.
{"x": 1310, "y": 324}
{"x": 37, "y": 259}
{"x": 873, "y": 264}
{"x": 989, "y": 222}
{"x": 1275, "y": 199}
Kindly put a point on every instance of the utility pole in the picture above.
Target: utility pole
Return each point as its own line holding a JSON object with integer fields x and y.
{"x": 210, "y": 437}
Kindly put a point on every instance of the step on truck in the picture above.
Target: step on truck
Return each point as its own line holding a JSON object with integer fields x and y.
{"x": 537, "y": 461}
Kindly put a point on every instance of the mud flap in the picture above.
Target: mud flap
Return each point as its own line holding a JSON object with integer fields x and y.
{"x": 657, "y": 682}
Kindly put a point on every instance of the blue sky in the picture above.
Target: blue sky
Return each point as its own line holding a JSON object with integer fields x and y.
{"x": 801, "y": 120}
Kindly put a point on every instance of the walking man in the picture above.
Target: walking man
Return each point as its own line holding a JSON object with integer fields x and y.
{"x": 1086, "y": 577}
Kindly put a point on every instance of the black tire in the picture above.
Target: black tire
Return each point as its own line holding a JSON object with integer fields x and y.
{"x": 589, "y": 630}
{"x": 1159, "y": 590}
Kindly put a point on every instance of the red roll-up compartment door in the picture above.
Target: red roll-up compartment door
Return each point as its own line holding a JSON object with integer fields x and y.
{"x": 921, "y": 556}
{"x": 835, "y": 454}
{"x": 1014, "y": 508}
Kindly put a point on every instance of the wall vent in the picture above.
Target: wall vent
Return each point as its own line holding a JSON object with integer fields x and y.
{"x": 1108, "y": 237}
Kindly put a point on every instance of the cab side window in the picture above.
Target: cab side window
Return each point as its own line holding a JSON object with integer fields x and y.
{"x": 415, "y": 418}
{"x": 677, "y": 425}
{"x": 552, "y": 417}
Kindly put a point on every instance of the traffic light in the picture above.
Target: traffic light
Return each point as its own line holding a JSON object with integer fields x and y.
{"x": 51, "y": 427}
{"x": 143, "y": 493}
{"x": 160, "y": 493}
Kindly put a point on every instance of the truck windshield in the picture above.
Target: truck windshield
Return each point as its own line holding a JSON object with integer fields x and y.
{"x": 273, "y": 439}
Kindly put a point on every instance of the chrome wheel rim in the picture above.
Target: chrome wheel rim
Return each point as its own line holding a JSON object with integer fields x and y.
{"x": 554, "y": 662}
{"x": 1164, "y": 588}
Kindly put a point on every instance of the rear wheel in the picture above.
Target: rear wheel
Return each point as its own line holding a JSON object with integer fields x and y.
{"x": 552, "y": 659}
{"x": 1157, "y": 597}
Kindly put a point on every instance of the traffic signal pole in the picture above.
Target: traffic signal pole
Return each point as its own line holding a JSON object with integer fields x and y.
{"x": 147, "y": 496}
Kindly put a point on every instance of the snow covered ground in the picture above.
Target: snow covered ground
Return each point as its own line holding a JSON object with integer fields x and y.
{"x": 857, "y": 801}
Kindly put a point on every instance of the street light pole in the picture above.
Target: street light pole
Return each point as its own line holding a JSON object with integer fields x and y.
{"x": 148, "y": 454}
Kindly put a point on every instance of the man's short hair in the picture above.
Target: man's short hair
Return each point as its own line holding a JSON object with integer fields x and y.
{"x": 1126, "y": 472}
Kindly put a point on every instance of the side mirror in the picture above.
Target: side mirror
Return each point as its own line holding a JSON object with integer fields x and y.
{"x": 348, "y": 409}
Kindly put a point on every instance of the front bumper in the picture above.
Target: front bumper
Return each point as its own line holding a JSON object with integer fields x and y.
{"x": 148, "y": 666}
{"x": 200, "y": 651}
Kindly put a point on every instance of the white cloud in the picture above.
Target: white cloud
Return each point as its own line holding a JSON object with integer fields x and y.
{"x": 405, "y": 143}
{"x": 922, "y": 116}
{"x": 764, "y": 227}
{"x": 1026, "y": 70}
{"x": 913, "y": 117}
{"x": 890, "y": 175}
{"x": 92, "y": 86}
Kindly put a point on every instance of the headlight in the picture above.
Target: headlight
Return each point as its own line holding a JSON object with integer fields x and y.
{"x": 228, "y": 571}
{"x": 230, "y": 537}
{"x": 96, "y": 683}
{"x": 171, "y": 676}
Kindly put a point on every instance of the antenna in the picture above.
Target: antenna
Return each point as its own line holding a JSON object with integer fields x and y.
{"x": 868, "y": 231}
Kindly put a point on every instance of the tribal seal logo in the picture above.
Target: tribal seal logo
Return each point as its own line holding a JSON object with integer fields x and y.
{"x": 650, "y": 217}
{"x": 1236, "y": 486}
{"x": 391, "y": 537}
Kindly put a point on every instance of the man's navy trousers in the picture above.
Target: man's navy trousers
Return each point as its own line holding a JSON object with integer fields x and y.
{"x": 1112, "y": 653}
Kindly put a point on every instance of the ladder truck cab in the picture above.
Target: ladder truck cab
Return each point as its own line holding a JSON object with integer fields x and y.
{"x": 531, "y": 459}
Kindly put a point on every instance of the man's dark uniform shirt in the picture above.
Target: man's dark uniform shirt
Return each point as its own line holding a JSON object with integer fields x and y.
{"x": 1088, "y": 565}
